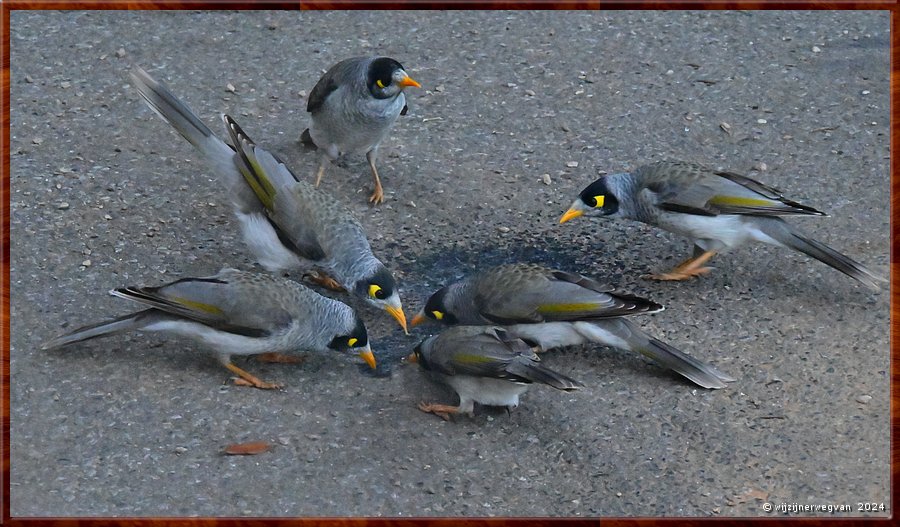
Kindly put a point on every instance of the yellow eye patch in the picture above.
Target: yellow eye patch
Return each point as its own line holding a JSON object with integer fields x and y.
{"x": 379, "y": 83}
{"x": 599, "y": 200}
{"x": 352, "y": 341}
{"x": 374, "y": 288}
{"x": 438, "y": 315}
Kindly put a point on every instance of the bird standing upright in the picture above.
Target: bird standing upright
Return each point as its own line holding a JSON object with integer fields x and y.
{"x": 353, "y": 107}
{"x": 553, "y": 309}
{"x": 716, "y": 210}
{"x": 286, "y": 223}
{"x": 238, "y": 313}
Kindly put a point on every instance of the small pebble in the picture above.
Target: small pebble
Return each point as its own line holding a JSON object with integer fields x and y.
{"x": 572, "y": 164}
{"x": 816, "y": 49}
{"x": 761, "y": 121}
{"x": 37, "y": 140}
{"x": 86, "y": 263}
{"x": 63, "y": 206}
{"x": 546, "y": 179}
{"x": 503, "y": 229}
{"x": 302, "y": 93}
{"x": 65, "y": 84}
{"x": 180, "y": 450}
{"x": 412, "y": 203}
{"x": 120, "y": 52}
{"x": 439, "y": 88}
{"x": 760, "y": 167}
{"x": 670, "y": 72}
{"x": 864, "y": 92}
{"x": 28, "y": 79}
{"x": 529, "y": 93}
{"x": 864, "y": 399}
{"x": 230, "y": 87}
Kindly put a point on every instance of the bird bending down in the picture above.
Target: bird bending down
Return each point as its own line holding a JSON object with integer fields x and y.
{"x": 484, "y": 365}
{"x": 238, "y": 313}
{"x": 353, "y": 107}
{"x": 716, "y": 210}
{"x": 286, "y": 223}
{"x": 553, "y": 309}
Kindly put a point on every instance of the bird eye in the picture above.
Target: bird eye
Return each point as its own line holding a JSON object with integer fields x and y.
{"x": 379, "y": 83}
{"x": 375, "y": 291}
{"x": 597, "y": 201}
{"x": 351, "y": 341}
{"x": 437, "y": 315}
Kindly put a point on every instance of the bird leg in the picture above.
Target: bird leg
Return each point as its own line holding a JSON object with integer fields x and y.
{"x": 280, "y": 358}
{"x": 323, "y": 161}
{"x": 689, "y": 268}
{"x": 322, "y": 279}
{"x": 377, "y": 196}
{"x": 246, "y": 379}
{"x": 441, "y": 410}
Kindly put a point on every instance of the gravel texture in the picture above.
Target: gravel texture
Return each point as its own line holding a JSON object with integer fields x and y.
{"x": 518, "y": 112}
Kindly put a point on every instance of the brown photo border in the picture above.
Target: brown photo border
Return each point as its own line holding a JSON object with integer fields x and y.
{"x": 9, "y": 5}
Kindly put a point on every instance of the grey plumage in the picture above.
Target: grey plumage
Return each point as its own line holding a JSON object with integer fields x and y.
{"x": 237, "y": 313}
{"x": 286, "y": 223}
{"x": 486, "y": 365}
{"x": 553, "y": 309}
{"x": 717, "y": 210}
{"x": 353, "y": 107}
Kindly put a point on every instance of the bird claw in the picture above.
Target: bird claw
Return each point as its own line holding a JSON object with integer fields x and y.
{"x": 678, "y": 275}
{"x": 325, "y": 281}
{"x": 280, "y": 358}
{"x": 262, "y": 385}
{"x": 439, "y": 410}
{"x": 377, "y": 196}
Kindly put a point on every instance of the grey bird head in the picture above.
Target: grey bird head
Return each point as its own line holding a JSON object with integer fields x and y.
{"x": 380, "y": 290}
{"x": 352, "y": 335}
{"x": 597, "y": 199}
{"x": 386, "y": 78}
{"x": 438, "y": 308}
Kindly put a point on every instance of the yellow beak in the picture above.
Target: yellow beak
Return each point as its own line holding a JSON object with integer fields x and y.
{"x": 407, "y": 81}
{"x": 368, "y": 356}
{"x": 570, "y": 214}
{"x": 397, "y": 313}
{"x": 418, "y": 319}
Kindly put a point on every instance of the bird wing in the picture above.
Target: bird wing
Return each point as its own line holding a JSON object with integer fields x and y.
{"x": 521, "y": 294}
{"x": 217, "y": 301}
{"x": 483, "y": 352}
{"x": 325, "y": 87}
{"x": 273, "y": 183}
{"x": 694, "y": 189}
{"x": 331, "y": 81}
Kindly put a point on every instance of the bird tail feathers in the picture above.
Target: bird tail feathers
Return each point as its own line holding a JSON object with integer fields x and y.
{"x": 537, "y": 373}
{"x": 103, "y": 329}
{"x": 786, "y": 235}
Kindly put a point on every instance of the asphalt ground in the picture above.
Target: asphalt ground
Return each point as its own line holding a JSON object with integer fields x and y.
{"x": 518, "y": 112}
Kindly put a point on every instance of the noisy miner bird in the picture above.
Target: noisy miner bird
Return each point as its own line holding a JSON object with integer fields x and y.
{"x": 484, "y": 365}
{"x": 353, "y": 107}
{"x": 552, "y": 309}
{"x": 238, "y": 313}
{"x": 716, "y": 210}
{"x": 286, "y": 223}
